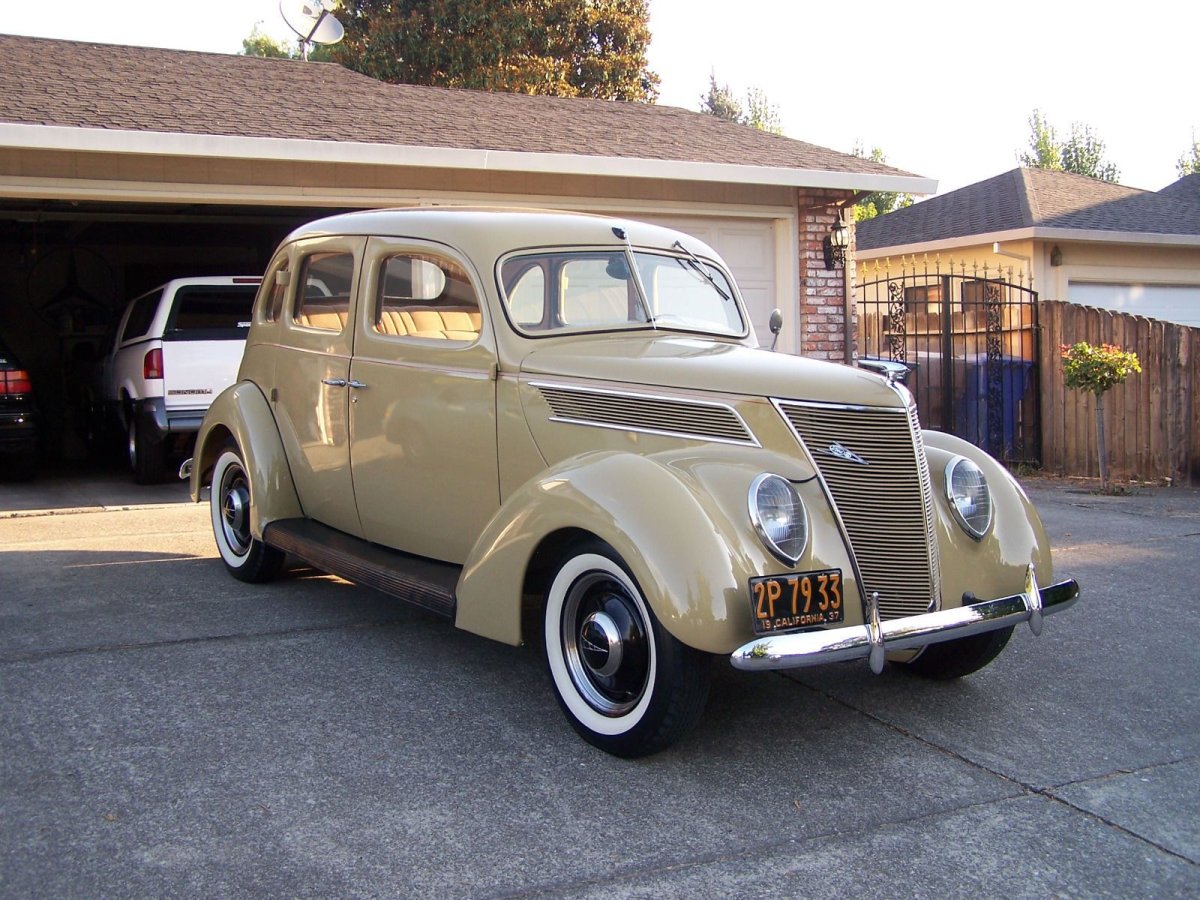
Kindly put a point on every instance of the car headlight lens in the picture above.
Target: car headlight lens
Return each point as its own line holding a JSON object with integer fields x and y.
{"x": 778, "y": 516}
{"x": 969, "y": 497}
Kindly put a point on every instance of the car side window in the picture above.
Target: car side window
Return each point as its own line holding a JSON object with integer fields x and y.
{"x": 423, "y": 295}
{"x": 141, "y": 317}
{"x": 278, "y": 284}
{"x": 323, "y": 298}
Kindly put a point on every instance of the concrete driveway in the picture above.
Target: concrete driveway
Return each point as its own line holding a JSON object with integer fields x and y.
{"x": 168, "y": 731}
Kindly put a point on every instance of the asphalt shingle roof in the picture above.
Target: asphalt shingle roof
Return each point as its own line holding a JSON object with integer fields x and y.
{"x": 73, "y": 84}
{"x": 1028, "y": 198}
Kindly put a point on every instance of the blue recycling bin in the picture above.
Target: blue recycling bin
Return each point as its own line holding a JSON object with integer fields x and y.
{"x": 972, "y": 415}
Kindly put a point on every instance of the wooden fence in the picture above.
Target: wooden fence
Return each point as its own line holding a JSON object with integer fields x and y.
{"x": 1152, "y": 422}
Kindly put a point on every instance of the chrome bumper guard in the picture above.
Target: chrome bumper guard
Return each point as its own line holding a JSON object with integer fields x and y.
{"x": 874, "y": 639}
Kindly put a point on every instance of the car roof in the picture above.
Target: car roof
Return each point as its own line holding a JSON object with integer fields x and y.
{"x": 498, "y": 230}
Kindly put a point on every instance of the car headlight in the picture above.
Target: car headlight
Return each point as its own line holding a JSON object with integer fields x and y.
{"x": 969, "y": 497}
{"x": 778, "y": 516}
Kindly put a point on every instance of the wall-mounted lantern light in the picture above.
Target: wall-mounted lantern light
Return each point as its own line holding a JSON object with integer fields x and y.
{"x": 836, "y": 243}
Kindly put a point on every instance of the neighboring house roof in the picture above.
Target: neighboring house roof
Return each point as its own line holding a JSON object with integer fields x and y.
{"x": 1042, "y": 203}
{"x": 141, "y": 92}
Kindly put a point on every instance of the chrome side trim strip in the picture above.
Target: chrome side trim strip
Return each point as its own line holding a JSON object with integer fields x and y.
{"x": 793, "y": 651}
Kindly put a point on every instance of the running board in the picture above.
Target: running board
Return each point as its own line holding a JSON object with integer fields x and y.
{"x": 423, "y": 582}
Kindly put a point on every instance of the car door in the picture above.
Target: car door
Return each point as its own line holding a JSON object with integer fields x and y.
{"x": 423, "y": 401}
{"x": 312, "y": 374}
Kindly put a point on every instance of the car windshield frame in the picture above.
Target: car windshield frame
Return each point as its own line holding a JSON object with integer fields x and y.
{"x": 617, "y": 285}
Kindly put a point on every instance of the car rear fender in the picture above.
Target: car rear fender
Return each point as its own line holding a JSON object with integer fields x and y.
{"x": 681, "y": 546}
{"x": 242, "y": 413}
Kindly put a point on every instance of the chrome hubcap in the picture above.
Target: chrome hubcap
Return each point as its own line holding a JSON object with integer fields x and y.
{"x": 605, "y": 644}
{"x": 235, "y": 509}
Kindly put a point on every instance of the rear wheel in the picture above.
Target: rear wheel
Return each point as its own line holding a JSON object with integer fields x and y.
{"x": 626, "y": 685}
{"x": 246, "y": 557}
{"x": 147, "y": 454}
{"x": 954, "y": 659}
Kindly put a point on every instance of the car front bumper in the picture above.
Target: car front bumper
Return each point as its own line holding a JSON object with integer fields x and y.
{"x": 874, "y": 639}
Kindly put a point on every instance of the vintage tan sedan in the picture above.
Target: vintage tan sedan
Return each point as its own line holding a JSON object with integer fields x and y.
{"x": 560, "y": 427}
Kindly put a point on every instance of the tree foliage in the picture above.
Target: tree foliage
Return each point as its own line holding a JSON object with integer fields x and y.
{"x": 258, "y": 43}
{"x": 1189, "y": 162}
{"x": 878, "y": 203}
{"x": 1097, "y": 369}
{"x": 564, "y": 48}
{"x": 758, "y": 112}
{"x": 1081, "y": 153}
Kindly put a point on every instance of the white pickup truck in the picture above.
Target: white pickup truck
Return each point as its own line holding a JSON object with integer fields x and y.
{"x": 176, "y": 348}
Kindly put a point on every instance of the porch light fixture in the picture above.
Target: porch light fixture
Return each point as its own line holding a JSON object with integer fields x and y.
{"x": 836, "y": 243}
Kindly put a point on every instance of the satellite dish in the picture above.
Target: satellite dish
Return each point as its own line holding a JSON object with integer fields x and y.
{"x": 312, "y": 22}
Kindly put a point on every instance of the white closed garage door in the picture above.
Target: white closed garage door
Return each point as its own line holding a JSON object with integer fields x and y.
{"x": 1169, "y": 302}
{"x": 748, "y": 246}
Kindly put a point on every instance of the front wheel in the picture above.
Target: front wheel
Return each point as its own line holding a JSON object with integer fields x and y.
{"x": 954, "y": 659}
{"x": 246, "y": 557}
{"x": 626, "y": 685}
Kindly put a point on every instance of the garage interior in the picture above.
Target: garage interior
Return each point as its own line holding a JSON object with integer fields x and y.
{"x": 67, "y": 270}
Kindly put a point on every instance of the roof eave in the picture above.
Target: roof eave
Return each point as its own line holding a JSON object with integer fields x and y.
{"x": 1037, "y": 233}
{"x": 104, "y": 140}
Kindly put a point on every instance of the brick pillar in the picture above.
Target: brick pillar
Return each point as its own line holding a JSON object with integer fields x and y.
{"x": 823, "y": 327}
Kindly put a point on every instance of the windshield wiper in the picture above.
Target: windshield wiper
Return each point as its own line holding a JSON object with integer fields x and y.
{"x": 699, "y": 267}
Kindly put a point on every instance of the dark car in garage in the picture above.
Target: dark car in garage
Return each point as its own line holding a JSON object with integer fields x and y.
{"x": 18, "y": 428}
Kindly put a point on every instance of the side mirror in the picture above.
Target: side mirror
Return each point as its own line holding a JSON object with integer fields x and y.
{"x": 775, "y": 323}
{"x": 283, "y": 277}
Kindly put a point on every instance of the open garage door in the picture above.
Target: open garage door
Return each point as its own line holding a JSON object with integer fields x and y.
{"x": 68, "y": 268}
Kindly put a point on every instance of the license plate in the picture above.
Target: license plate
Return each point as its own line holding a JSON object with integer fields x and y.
{"x": 782, "y": 602}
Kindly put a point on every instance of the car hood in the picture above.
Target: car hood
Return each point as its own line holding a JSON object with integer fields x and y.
{"x": 672, "y": 361}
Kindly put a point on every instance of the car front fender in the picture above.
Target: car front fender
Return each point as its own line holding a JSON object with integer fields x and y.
{"x": 996, "y": 564}
{"x": 242, "y": 414}
{"x": 678, "y": 537}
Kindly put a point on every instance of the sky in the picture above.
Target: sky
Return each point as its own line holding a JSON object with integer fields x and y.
{"x": 945, "y": 89}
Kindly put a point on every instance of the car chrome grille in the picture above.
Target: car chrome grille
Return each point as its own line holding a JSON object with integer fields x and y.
{"x": 640, "y": 412}
{"x": 873, "y": 461}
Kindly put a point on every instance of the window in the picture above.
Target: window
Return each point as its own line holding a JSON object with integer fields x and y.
{"x": 211, "y": 312}
{"x": 324, "y": 294}
{"x": 595, "y": 290}
{"x": 141, "y": 316}
{"x": 426, "y": 296}
{"x": 279, "y": 281}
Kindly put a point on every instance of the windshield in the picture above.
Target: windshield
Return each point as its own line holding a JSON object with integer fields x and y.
{"x": 594, "y": 290}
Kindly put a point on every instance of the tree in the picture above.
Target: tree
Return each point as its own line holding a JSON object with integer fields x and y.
{"x": 1082, "y": 153}
{"x": 878, "y": 203}
{"x": 565, "y": 48}
{"x": 261, "y": 44}
{"x": 1189, "y": 162}
{"x": 759, "y": 112}
{"x": 720, "y": 102}
{"x": 1098, "y": 369}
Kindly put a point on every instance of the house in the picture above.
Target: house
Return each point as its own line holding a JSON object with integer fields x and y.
{"x": 1075, "y": 238}
{"x": 956, "y": 286}
{"x": 121, "y": 167}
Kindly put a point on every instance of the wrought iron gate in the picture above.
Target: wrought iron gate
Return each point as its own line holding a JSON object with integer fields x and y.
{"x": 970, "y": 340}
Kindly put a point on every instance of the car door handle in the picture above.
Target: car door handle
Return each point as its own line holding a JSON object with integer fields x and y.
{"x": 334, "y": 382}
{"x": 357, "y": 384}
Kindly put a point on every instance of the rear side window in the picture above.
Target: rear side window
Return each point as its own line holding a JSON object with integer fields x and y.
{"x": 210, "y": 312}
{"x": 323, "y": 299}
{"x": 141, "y": 316}
{"x": 426, "y": 296}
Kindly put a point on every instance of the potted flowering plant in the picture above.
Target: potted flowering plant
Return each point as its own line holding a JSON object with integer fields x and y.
{"x": 1097, "y": 369}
